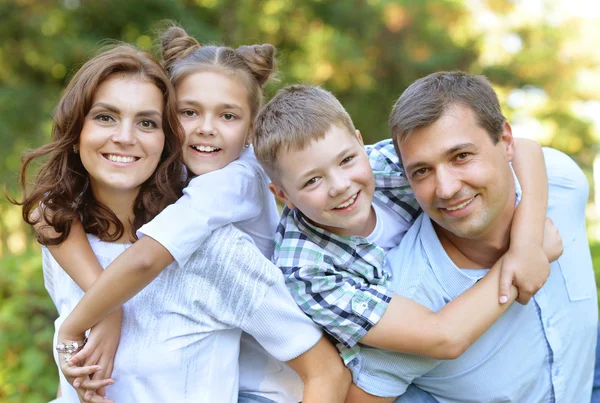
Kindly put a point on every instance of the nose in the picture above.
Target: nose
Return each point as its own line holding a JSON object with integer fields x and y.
{"x": 447, "y": 183}
{"x": 206, "y": 126}
{"x": 125, "y": 134}
{"x": 339, "y": 182}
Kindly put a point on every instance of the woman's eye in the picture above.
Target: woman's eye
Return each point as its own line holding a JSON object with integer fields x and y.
{"x": 229, "y": 116}
{"x": 104, "y": 118}
{"x": 149, "y": 124}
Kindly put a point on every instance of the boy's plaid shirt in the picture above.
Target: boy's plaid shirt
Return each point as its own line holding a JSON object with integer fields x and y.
{"x": 339, "y": 281}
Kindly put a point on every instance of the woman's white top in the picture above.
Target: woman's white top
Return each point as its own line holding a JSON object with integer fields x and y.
{"x": 180, "y": 335}
{"x": 238, "y": 194}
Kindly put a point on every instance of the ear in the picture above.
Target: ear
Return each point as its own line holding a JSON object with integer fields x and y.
{"x": 359, "y": 137}
{"x": 280, "y": 195}
{"x": 508, "y": 141}
{"x": 248, "y": 139}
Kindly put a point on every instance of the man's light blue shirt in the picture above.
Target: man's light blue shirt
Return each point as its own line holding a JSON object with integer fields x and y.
{"x": 540, "y": 352}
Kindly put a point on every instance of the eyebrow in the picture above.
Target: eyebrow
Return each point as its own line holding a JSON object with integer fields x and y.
{"x": 114, "y": 109}
{"x": 449, "y": 152}
{"x": 199, "y": 106}
{"x": 311, "y": 172}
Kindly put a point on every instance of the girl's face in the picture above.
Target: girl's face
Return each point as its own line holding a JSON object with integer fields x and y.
{"x": 214, "y": 110}
{"x": 122, "y": 137}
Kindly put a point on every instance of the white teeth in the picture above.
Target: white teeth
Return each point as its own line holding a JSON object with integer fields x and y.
{"x": 118, "y": 158}
{"x": 349, "y": 202}
{"x": 462, "y": 205}
{"x": 205, "y": 149}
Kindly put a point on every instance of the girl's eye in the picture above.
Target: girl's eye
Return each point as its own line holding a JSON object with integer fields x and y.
{"x": 149, "y": 124}
{"x": 104, "y": 118}
{"x": 347, "y": 159}
{"x": 229, "y": 116}
{"x": 188, "y": 113}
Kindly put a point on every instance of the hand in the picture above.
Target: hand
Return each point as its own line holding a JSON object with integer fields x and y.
{"x": 553, "y": 246}
{"x": 78, "y": 376}
{"x": 525, "y": 266}
{"x": 100, "y": 350}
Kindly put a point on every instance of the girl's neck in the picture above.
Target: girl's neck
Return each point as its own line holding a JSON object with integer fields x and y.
{"x": 121, "y": 204}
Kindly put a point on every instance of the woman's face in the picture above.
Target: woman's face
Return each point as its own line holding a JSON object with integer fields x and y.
{"x": 122, "y": 137}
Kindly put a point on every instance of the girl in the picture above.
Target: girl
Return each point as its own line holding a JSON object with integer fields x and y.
{"x": 180, "y": 336}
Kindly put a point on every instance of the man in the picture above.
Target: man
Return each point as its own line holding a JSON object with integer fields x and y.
{"x": 456, "y": 148}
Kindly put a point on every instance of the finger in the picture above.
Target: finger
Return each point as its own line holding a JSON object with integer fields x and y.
{"x": 80, "y": 357}
{"x": 78, "y": 381}
{"x": 93, "y": 399}
{"x": 524, "y": 297}
{"x": 506, "y": 278}
{"x": 75, "y": 372}
{"x": 92, "y": 385}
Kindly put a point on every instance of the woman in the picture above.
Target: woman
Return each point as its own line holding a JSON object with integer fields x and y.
{"x": 114, "y": 164}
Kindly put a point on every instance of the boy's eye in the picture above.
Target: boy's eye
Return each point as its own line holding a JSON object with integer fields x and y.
{"x": 347, "y": 159}
{"x": 188, "y": 113}
{"x": 148, "y": 124}
{"x": 104, "y": 118}
{"x": 229, "y": 116}
{"x": 311, "y": 181}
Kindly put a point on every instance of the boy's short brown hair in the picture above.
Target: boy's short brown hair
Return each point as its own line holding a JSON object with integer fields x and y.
{"x": 426, "y": 100}
{"x": 297, "y": 115}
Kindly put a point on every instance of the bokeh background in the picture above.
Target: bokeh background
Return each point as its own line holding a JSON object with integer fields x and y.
{"x": 541, "y": 56}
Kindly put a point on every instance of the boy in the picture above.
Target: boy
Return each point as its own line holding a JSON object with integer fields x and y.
{"x": 345, "y": 207}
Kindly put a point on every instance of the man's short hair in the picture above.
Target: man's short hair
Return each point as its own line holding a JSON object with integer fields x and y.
{"x": 426, "y": 100}
{"x": 296, "y": 116}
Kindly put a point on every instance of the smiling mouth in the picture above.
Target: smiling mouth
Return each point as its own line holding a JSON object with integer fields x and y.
{"x": 206, "y": 149}
{"x": 347, "y": 203}
{"x": 459, "y": 206}
{"x": 120, "y": 158}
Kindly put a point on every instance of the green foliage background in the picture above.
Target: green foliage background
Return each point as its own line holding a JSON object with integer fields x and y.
{"x": 543, "y": 62}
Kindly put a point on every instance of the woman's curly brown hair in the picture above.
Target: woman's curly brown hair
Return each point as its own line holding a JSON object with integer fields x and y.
{"x": 61, "y": 184}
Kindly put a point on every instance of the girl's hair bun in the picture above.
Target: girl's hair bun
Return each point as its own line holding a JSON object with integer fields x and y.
{"x": 260, "y": 59}
{"x": 176, "y": 44}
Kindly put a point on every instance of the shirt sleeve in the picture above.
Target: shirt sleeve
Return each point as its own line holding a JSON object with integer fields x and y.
{"x": 210, "y": 201}
{"x": 248, "y": 291}
{"x": 391, "y": 185}
{"x": 346, "y": 308}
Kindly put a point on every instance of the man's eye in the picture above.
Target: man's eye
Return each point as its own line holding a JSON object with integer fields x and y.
{"x": 462, "y": 156}
{"x": 419, "y": 173}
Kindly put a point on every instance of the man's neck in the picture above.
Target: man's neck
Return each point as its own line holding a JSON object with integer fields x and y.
{"x": 478, "y": 253}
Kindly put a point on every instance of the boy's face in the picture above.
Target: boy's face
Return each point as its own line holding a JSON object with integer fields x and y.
{"x": 331, "y": 182}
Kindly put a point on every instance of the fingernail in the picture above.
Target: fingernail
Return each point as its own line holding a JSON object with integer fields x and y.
{"x": 503, "y": 299}
{"x": 76, "y": 384}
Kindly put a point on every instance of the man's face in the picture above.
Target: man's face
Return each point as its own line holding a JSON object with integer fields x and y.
{"x": 331, "y": 182}
{"x": 461, "y": 179}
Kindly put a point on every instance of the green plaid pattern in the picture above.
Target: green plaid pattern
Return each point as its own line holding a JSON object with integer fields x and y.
{"x": 340, "y": 281}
